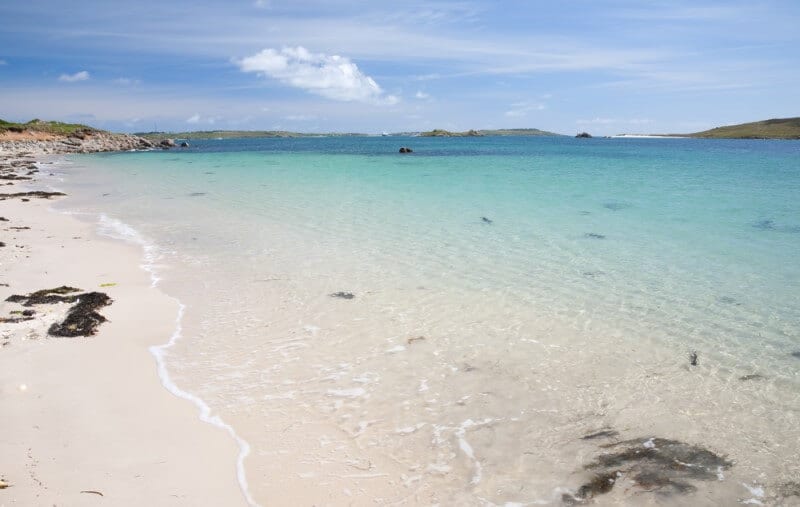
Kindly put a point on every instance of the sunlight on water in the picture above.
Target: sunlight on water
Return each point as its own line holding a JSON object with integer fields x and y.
{"x": 511, "y": 295}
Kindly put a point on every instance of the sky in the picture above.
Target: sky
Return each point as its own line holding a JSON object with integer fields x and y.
{"x": 601, "y": 66}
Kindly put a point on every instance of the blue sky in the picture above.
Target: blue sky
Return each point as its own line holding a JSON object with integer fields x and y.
{"x": 603, "y": 66}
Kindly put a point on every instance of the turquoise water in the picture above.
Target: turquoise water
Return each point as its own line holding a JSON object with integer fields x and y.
{"x": 572, "y": 276}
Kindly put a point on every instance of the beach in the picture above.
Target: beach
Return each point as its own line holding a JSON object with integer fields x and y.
{"x": 87, "y": 419}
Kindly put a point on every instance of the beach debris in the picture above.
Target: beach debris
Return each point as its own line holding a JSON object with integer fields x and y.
{"x": 487, "y": 220}
{"x": 405, "y": 149}
{"x": 4, "y": 484}
{"x": 110, "y": 284}
{"x": 92, "y": 492}
{"x": 600, "y": 434}
{"x": 594, "y": 235}
{"x": 342, "y": 295}
{"x": 82, "y": 319}
{"x": 413, "y": 339}
{"x": 693, "y": 358}
{"x": 36, "y": 193}
{"x": 659, "y": 465}
{"x": 752, "y": 376}
{"x": 45, "y": 296}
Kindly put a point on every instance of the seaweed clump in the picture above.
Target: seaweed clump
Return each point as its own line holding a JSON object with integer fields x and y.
{"x": 342, "y": 295}
{"x": 659, "y": 465}
{"x": 82, "y": 319}
{"x": 45, "y": 296}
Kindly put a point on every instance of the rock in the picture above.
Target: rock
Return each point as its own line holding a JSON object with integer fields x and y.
{"x": 342, "y": 295}
{"x": 406, "y": 150}
{"x": 594, "y": 235}
{"x": 167, "y": 143}
{"x": 584, "y": 135}
{"x": 184, "y": 144}
{"x": 693, "y": 358}
{"x": 486, "y": 220}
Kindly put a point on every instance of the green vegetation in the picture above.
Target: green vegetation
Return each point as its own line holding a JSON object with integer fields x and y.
{"x": 779, "y": 128}
{"x": 49, "y": 127}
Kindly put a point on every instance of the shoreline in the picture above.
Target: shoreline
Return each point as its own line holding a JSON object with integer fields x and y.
{"x": 88, "y": 416}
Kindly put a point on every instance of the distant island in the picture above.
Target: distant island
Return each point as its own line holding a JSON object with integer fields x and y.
{"x": 481, "y": 133}
{"x": 778, "y": 128}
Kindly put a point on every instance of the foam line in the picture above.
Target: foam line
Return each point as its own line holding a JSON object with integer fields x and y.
{"x": 116, "y": 229}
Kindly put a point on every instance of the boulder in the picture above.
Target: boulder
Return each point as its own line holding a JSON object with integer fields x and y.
{"x": 406, "y": 150}
{"x": 167, "y": 143}
{"x": 584, "y": 135}
{"x": 184, "y": 144}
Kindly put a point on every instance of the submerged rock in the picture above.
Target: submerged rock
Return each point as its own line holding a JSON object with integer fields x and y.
{"x": 659, "y": 465}
{"x": 487, "y": 220}
{"x": 693, "y": 358}
{"x": 615, "y": 205}
{"x": 406, "y": 150}
{"x": 594, "y": 235}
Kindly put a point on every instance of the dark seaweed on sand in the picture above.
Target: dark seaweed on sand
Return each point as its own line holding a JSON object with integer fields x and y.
{"x": 82, "y": 319}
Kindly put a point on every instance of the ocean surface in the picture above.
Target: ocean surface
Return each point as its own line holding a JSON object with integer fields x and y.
{"x": 510, "y": 297}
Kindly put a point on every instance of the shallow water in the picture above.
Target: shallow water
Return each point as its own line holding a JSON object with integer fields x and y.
{"x": 511, "y": 296}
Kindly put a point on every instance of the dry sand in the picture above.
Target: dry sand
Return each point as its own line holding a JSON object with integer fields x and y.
{"x": 82, "y": 416}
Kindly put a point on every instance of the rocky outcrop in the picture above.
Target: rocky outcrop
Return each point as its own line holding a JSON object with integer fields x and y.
{"x": 82, "y": 141}
{"x": 584, "y": 135}
{"x": 406, "y": 150}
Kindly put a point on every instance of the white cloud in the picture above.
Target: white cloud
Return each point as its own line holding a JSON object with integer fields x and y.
{"x": 300, "y": 117}
{"x": 422, "y": 95}
{"x": 261, "y": 4}
{"x": 195, "y": 118}
{"x": 72, "y": 78}
{"x": 523, "y": 108}
{"x": 334, "y": 77}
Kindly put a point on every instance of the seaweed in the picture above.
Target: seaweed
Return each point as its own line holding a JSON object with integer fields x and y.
{"x": 487, "y": 220}
{"x": 753, "y": 376}
{"x": 45, "y": 296}
{"x": 616, "y": 205}
{"x": 37, "y": 193}
{"x": 82, "y": 319}
{"x": 594, "y": 235}
{"x": 342, "y": 295}
{"x": 600, "y": 434}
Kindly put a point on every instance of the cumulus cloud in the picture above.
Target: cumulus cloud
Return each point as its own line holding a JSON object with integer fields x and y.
{"x": 195, "y": 118}
{"x": 422, "y": 95}
{"x": 334, "y": 77}
{"x": 73, "y": 78}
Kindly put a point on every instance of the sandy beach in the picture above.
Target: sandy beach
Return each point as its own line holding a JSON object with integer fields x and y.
{"x": 86, "y": 419}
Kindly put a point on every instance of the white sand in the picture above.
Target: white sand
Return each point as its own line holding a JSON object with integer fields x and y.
{"x": 90, "y": 414}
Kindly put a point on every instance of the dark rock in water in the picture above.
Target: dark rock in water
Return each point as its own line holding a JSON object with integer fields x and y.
{"x": 584, "y": 135}
{"x": 765, "y": 225}
{"x": 167, "y": 143}
{"x": 342, "y": 295}
{"x": 600, "y": 434}
{"x": 196, "y": 194}
{"x": 406, "y": 150}
{"x": 584, "y": 213}
{"x": 45, "y": 296}
{"x": 2, "y": 244}
{"x": 693, "y": 358}
{"x": 753, "y": 376}
{"x": 3, "y": 219}
{"x": 594, "y": 235}
{"x": 592, "y": 274}
{"x": 82, "y": 319}
{"x": 728, "y": 300}
{"x": 184, "y": 144}
{"x": 655, "y": 464}
{"x": 616, "y": 206}
{"x": 796, "y": 354}
{"x": 486, "y": 220}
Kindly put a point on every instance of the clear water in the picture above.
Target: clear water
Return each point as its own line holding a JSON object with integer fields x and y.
{"x": 573, "y": 307}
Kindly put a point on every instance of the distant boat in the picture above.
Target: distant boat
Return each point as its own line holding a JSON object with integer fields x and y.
{"x": 385, "y": 134}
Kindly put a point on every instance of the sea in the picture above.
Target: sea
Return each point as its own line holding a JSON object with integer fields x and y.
{"x": 484, "y": 321}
